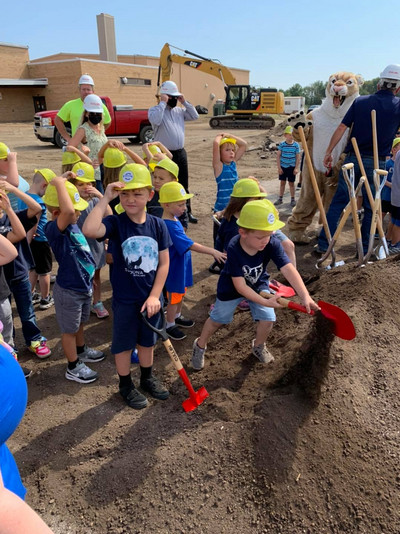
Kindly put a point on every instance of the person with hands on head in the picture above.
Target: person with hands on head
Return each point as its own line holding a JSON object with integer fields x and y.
{"x": 180, "y": 276}
{"x": 72, "y": 289}
{"x": 140, "y": 245}
{"x": 17, "y": 272}
{"x": 168, "y": 121}
{"x": 244, "y": 276}
{"x": 9, "y": 172}
{"x": 72, "y": 155}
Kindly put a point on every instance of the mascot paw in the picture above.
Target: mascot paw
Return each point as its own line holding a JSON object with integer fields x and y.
{"x": 299, "y": 119}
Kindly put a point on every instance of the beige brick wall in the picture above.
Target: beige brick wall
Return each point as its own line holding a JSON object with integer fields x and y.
{"x": 13, "y": 61}
{"x": 16, "y": 103}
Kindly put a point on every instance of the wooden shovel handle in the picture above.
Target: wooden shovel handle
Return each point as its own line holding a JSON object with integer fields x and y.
{"x": 314, "y": 184}
{"x": 288, "y": 303}
{"x": 374, "y": 139}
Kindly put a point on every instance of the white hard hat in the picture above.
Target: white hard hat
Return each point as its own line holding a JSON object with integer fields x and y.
{"x": 93, "y": 103}
{"x": 391, "y": 72}
{"x": 86, "y": 79}
{"x": 169, "y": 88}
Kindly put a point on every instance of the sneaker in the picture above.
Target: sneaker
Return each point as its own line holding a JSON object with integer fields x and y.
{"x": 27, "y": 372}
{"x": 293, "y": 202}
{"x": 36, "y": 298}
{"x": 278, "y": 202}
{"x": 153, "y": 386}
{"x": 198, "y": 356}
{"x": 394, "y": 249}
{"x": 91, "y": 355}
{"x": 243, "y": 305}
{"x": 48, "y": 302}
{"x": 133, "y": 398}
{"x": 184, "y": 323}
{"x": 82, "y": 373}
{"x": 174, "y": 333}
{"x": 262, "y": 353}
{"x": 99, "y": 310}
{"x": 317, "y": 251}
{"x": 40, "y": 348}
{"x": 215, "y": 268}
{"x": 299, "y": 185}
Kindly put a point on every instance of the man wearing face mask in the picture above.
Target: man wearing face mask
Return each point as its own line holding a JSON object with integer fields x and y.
{"x": 168, "y": 122}
{"x": 73, "y": 109}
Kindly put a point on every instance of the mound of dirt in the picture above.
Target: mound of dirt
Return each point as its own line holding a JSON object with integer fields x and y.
{"x": 308, "y": 444}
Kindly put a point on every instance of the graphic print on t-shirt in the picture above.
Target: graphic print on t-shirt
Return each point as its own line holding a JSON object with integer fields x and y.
{"x": 79, "y": 241}
{"x": 140, "y": 255}
{"x": 252, "y": 274}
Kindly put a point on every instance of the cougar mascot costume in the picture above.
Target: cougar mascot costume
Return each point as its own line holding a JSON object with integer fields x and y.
{"x": 341, "y": 90}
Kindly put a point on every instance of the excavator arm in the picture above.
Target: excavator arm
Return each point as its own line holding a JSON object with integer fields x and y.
{"x": 205, "y": 65}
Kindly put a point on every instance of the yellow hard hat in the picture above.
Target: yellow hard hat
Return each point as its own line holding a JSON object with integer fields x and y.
{"x": 4, "y": 151}
{"x": 84, "y": 172}
{"x": 173, "y": 192}
{"x": 119, "y": 209}
{"x": 227, "y": 140}
{"x": 169, "y": 166}
{"x": 135, "y": 176}
{"x": 113, "y": 158}
{"x": 259, "y": 215}
{"x": 152, "y": 164}
{"x": 396, "y": 141}
{"x": 153, "y": 149}
{"x": 51, "y": 197}
{"x": 69, "y": 158}
{"x": 47, "y": 174}
{"x": 288, "y": 130}
{"x": 247, "y": 188}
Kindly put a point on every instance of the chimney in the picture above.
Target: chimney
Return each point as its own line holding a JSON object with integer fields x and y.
{"x": 106, "y": 33}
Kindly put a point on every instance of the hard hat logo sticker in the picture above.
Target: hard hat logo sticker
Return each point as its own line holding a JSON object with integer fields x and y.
{"x": 271, "y": 218}
{"x": 77, "y": 197}
{"x": 127, "y": 176}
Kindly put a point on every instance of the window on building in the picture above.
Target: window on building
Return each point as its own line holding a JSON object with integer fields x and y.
{"x": 135, "y": 81}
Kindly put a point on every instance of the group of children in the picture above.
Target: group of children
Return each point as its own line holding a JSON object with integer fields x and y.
{"x": 141, "y": 218}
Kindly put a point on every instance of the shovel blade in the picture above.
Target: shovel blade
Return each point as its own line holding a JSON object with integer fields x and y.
{"x": 281, "y": 289}
{"x": 195, "y": 400}
{"x": 343, "y": 326}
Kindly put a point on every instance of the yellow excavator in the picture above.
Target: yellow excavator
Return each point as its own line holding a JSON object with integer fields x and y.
{"x": 245, "y": 107}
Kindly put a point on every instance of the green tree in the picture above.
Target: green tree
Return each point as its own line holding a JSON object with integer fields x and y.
{"x": 369, "y": 87}
{"x": 314, "y": 93}
{"x": 294, "y": 90}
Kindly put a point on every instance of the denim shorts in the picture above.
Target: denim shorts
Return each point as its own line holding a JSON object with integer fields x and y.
{"x": 224, "y": 309}
{"x": 72, "y": 308}
{"x": 129, "y": 329}
{"x": 280, "y": 235}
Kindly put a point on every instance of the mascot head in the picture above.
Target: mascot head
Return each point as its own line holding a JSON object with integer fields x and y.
{"x": 341, "y": 90}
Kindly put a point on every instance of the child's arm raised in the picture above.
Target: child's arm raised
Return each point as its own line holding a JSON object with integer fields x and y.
{"x": 81, "y": 154}
{"x": 152, "y": 304}
{"x": 93, "y": 226}
{"x": 7, "y": 251}
{"x": 216, "y": 158}
{"x": 78, "y": 139}
{"x": 220, "y": 257}
{"x": 163, "y": 148}
{"x": 12, "y": 175}
{"x": 241, "y": 144}
{"x": 17, "y": 230}
{"x": 293, "y": 277}
{"x": 93, "y": 192}
{"x": 67, "y": 210}
{"x": 34, "y": 208}
{"x": 111, "y": 143}
{"x": 134, "y": 157}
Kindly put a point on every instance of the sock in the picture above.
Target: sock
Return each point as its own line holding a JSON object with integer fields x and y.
{"x": 292, "y": 198}
{"x": 145, "y": 372}
{"x": 170, "y": 324}
{"x": 177, "y": 315}
{"x": 81, "y": 349}
{"x": 72, "y": 365}
{"x": 125, "y": 381}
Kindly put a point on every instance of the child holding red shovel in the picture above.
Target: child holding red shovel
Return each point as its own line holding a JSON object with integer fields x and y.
{"x": 244, "y": 276}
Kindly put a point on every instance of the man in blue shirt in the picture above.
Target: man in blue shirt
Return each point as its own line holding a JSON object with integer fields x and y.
{"x": 358, "y": 118}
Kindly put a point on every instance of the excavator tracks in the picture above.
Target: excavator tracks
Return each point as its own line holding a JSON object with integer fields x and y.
{"x": 227, "y": 122}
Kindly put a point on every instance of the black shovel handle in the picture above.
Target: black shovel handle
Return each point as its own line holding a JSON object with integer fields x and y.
{"x": 162, "y": 332}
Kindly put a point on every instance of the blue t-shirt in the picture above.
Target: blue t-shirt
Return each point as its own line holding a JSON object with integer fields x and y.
{"x": 22, "y": 186}
{"x": 39, "y": 234}
{"x": 13, "y": 399}
{"x": 226, "y": 231}
{"x": 135, "y": 250}
{"x": 23, "y": 263}
{"x": 75, "y": 262}
{"x": 225, "y": 182}
{"x": 288, "y": 153}
{"x": 251, "y": 268}
{"x": 180, "y": 274}
{"x": 387, "y": 108}
{"x": 387, "y": 191}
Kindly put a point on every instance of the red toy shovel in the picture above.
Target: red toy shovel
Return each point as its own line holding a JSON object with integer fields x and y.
{"x": 195, "y": 397}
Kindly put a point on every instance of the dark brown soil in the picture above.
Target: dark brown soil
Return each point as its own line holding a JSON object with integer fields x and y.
{"x": 309, "y": 444}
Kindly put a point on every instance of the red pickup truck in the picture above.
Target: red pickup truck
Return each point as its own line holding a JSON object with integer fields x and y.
{"x": 126, "y": 122}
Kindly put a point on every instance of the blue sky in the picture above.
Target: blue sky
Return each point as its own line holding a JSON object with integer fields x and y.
{"x": 280, "y": 42}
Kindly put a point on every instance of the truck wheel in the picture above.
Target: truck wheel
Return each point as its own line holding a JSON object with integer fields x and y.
{"x": 146, "y": 134}
{"x": 214, "y": 123}
{"x": 58, "y": 140}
